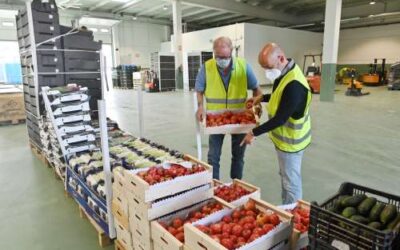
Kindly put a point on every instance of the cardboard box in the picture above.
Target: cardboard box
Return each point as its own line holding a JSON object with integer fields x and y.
{"x": 229, "y": 128}
{"x": 162, "y": 239}
{"x": 145, "y": 192}
{"x": 12, "y": 106}
{"x": 298, "y": 240}
{"x": 197, "y": 240}
{"x": 255, "y": 192}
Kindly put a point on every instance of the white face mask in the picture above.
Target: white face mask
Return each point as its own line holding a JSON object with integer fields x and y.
{"x": 272, "y": 74}
{"x": 223, "y": 63}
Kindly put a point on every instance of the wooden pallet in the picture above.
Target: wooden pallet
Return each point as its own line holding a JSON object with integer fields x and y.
{"x": 104, "y": 240}
{"x": 12, "y": 122}
{"x": 38, "y": 153}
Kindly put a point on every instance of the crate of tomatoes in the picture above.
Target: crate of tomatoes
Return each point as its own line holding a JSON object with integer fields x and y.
{"x": 232, "y": 121}
{"x": 301, "y": 222}
{"x": 168, "y": 231}
{"x": 255, "y": 225}
{"x": 236, "y": 193}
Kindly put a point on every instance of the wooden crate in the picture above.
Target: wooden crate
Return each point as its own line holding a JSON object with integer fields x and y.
{"x": 153, "y": 210}
{"x": 118, "y": 245}
{"x": 145, "y": 192}
{"x": 298, "y": 240}
{"x": 119, "y": 214}
{"x": 119, "y": 195}
{"x": 12, "y": 109}
{"x": 123, "y": 235}
{"x": 255, "y": 192}
{"x": 197, "y": 240}
{"x": 162, "y": 239}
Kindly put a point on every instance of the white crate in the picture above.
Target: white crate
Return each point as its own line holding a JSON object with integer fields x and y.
{"x": 255, "y": 192}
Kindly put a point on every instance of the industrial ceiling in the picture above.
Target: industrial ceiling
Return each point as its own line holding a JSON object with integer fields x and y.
{"x": 200, "y": 14}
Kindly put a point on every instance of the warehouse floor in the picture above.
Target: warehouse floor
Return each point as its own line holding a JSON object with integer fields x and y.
{"x": 354, "y": 139}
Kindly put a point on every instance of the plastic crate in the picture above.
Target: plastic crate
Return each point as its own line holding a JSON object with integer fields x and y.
{"x": 326, "y": 233}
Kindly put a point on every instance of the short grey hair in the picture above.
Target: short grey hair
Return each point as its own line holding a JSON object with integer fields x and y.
{"x": 223, "y": 40}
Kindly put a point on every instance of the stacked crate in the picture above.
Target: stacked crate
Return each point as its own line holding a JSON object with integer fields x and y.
{"x": 195, "y": 61}
{"x": 40, "y": 62}
{"x": 163, "y": 64}
{"x": 82, "y": 62}
{"x": 145, "y": 203}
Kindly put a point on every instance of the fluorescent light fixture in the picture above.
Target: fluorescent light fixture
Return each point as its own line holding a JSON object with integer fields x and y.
{"x": 93, "y": 29}
{"x": 350, "y": 19}
{"x": 120, "y": 1}
{"x": 104, "y": 30}
{"x": 96, "y": 21}
{"x": 372, "y": 2}
{"x": 165, "y": 7}
{"x": 134, "y": 18}
{"x": 7, "y": 24}
{"x": 301, "y": 25}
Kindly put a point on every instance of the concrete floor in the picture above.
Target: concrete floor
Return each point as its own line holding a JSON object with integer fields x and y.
{"x": 354, "y": 139}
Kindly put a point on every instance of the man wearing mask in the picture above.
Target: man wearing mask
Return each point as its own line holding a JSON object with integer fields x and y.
{"x": 289, "y": 124}
{"x": 224, "y": 82}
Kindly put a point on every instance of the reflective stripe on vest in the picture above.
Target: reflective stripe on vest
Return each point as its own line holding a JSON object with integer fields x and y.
{"x": 294, "y": 135}
{"x": 217, "y": 97}
{"x": 229, "y": 101}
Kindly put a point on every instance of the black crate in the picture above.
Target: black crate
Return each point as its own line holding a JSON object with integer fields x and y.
{"x": 51, "y": 80}
{"x": 80, "y": 42}
{"x": 326, "y": 227}
{"x": 44, "y": 6}
{"x": 81, "y": 55}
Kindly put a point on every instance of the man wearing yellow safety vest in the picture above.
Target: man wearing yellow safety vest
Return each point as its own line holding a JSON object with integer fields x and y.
{"x": 224, "y": 82}
{"x": 289, "y": 123}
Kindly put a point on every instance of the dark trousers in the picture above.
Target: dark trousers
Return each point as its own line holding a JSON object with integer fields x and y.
{"x": 214, "y": 154}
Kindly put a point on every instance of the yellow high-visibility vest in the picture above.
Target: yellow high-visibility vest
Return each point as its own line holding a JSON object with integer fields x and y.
{"x": 217, "y": 97}
{"x": 294, "y": 135}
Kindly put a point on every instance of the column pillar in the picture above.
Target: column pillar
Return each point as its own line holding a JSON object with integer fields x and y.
{"x": 333, "y": 11}
{"x": 177, "y": 42}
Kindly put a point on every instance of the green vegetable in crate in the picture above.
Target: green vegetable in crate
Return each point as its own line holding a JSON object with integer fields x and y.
{"x": 392, "y": 225}
{"x": 388, "y": 213}
{"x": 366, "y": 205}
{"x": 375, "y": 225}
{"x": 353, "y": 201}
{"x": 337, "y": 204}
{"x": 376, "y": 211}
{"x": 349, "y": 211}
{"x": 359, "y": 218}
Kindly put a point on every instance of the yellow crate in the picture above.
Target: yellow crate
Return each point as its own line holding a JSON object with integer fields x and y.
{"x": 197, "y": 240}
{"x": 255, "y": 192}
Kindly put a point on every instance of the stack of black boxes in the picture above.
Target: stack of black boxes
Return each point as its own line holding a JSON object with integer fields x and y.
{"x": 46, "y": 61}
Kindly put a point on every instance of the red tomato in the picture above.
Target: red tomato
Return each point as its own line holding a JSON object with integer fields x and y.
{"x": 227, "y": 243}
{"x": 172, "y": 231}
{"x": 177, "y": 222}
{"x": 246, "y": 233}
{"x": 227, "y": 228}
{"x": 237, "y": 230}
{"x": 236, "y": 214}
{"x": 216, "y": 228}
{"x": 227, "y": 219}
{"x": 267, "y": 228}
{"x": 274, "y": 219}
{"x": 180, "y": 237}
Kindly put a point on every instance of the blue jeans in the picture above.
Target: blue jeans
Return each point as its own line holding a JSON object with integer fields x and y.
{"x": 290, "y": 172}
{"x": 214, "y": 154}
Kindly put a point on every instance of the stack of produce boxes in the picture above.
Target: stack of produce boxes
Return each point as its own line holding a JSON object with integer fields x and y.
{"x": 155, "y": 192}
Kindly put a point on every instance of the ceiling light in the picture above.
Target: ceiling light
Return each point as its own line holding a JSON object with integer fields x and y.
{"x": 96, "y": 21}
{"x": 93, "y": 29}
{"x": 104, "y": 30}
{"x": 165, "y": 7}
{"x": 372, "y": 2}
{"x": 8, "y": 13}
{"x": 120, "y": 1}
{"x": 7, "y": 24}
{"x": 301, "y": 25}
{"x": 134, "y": 18}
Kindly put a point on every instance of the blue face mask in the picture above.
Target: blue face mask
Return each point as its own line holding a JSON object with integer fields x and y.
{"x": 223, "y": 63}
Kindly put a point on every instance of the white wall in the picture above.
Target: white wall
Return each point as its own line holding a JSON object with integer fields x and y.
{"x": 362, "y": 45}
{"x": 202, "y": 40}
{"x": 137, "y": 40}
{"x": 295, "y": 43}
{"x": 8, "y": 33}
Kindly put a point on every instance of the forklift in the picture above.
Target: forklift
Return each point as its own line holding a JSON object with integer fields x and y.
{"x": 313, "y": 73}
{"x": 376, "y": 75}
{"x": 355, "y": 87}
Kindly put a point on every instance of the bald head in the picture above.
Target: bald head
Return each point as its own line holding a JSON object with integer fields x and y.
{"x": 223, "y": 47}
{"x": 272, "y": 56}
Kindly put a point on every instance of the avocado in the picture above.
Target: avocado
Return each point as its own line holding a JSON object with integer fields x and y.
{"x": 388, "y": 213}
{"x": 359, "y": 218}
{"x": 375, "y": 225}
{"x": 353, "y": 201}
{"x": 349, "y": 211}
{"x": 376, "y": 211}
{"x": 366, "y": 205}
